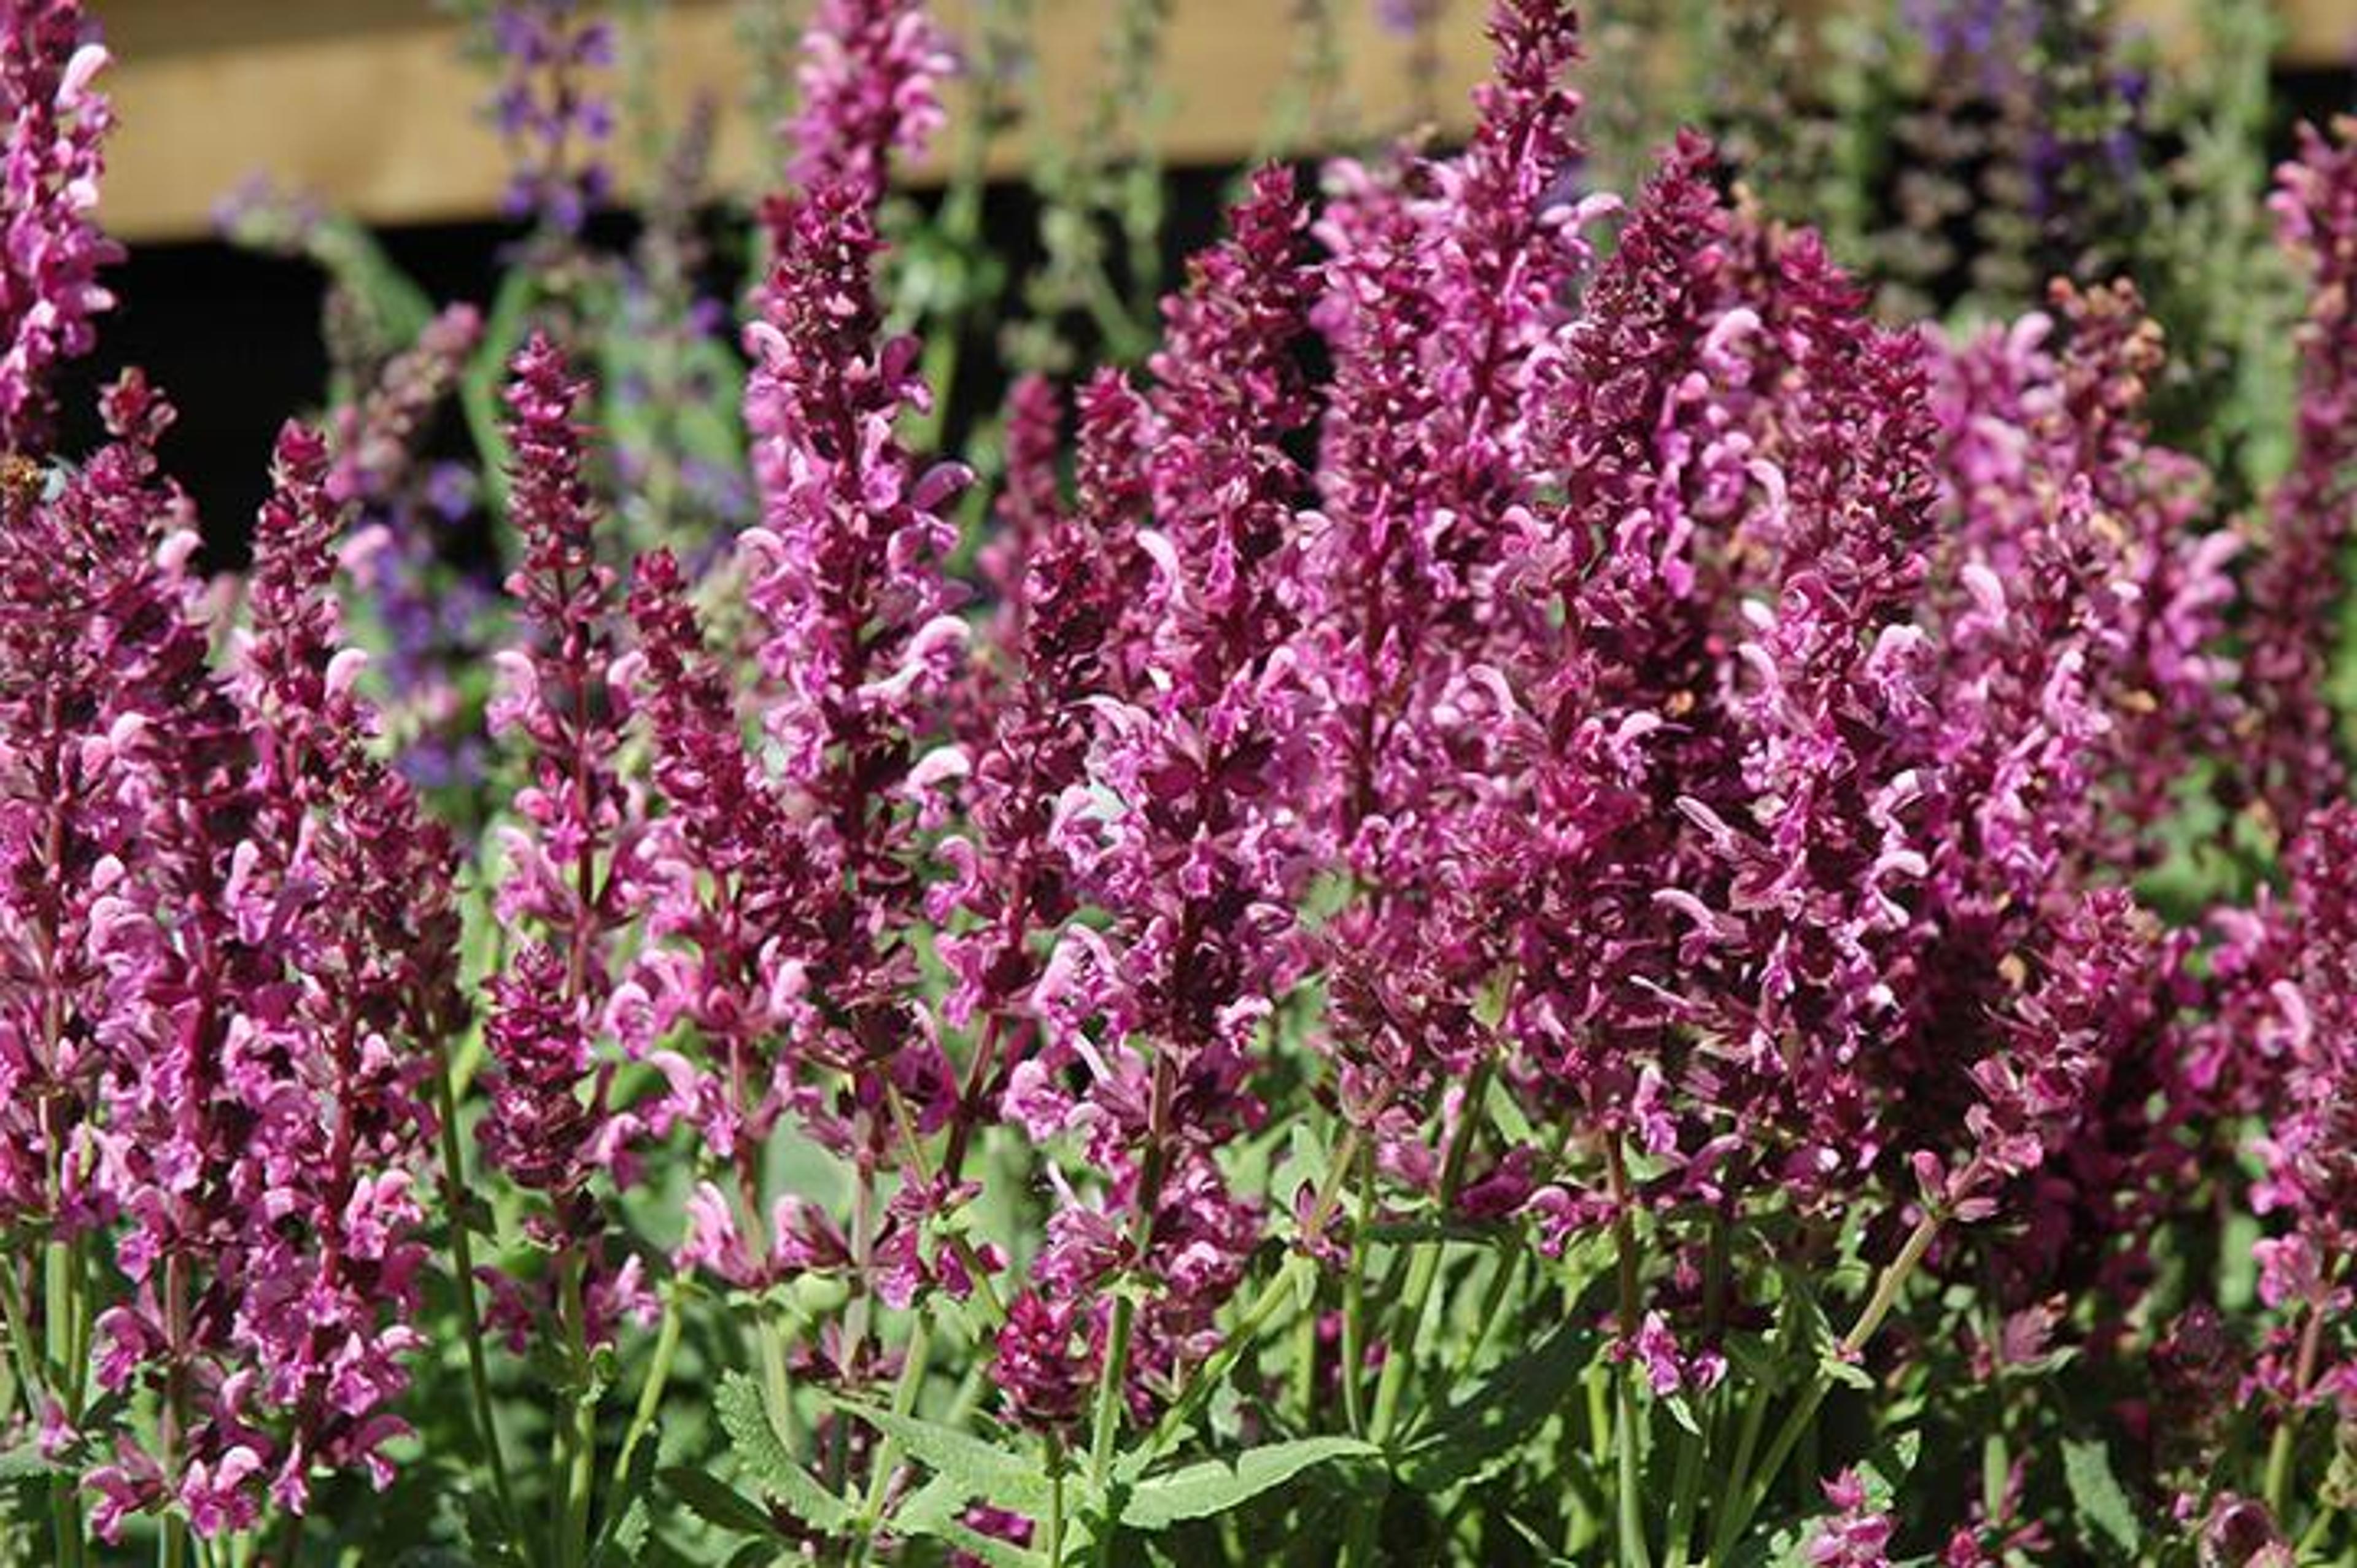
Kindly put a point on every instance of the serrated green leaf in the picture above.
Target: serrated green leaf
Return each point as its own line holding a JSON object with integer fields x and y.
{"x": 1212, "y": 1486}
{"x": 718, "y": 1502}
{"x": 2096, "y": 1497}
{"x": 932, "y": 1511}
{"x": 990, "y": 1474}
{"x": 26, "y": 1462}
{"x": 1509, "y": 1404}
{"x": 745, "y": 1417}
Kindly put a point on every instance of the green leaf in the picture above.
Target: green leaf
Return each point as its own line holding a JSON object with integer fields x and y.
{"x": 1217, "y": 1485}
{"x": 490, "y": 1534}
{"x": 1886, "y": 1470}
{"x": 745, "y": 1417}
{"x": 1471, "y": 1437}
{"x": 1407, "y": 1231}
{"x": 627, "y": 1522}
{"x": 1758, "y": 1362}
{"x": 993, "y": 1552}
{"x": 1841, "y": 1370}
{"x": 26, "y": 1462}
{"x": 718, "y": 1503}
{"x": 1011, "y": 1481}
{"x": 925, "y": 1510}
{"x": 932, "y": 1511}
{"x": 2096, "y": 1497}
{"x": 1542, "y": 1548}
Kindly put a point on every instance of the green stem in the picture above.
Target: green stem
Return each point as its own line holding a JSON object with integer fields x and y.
{"x": 1106, "y": 1425}
{"x": 2282, "y": 1446}
{"x": 777, "y": 1387}
{"x": 1738, "y": 1471}
{"x": 860, "y": 1312}
{"x": 1627, "y": 1434}
{"x": 578, "y": 1425}
{"x": 462, "y": 1264}
{"x": 1493, "y": 1303}
{"x": 1685, "y": 1495}
{"x": 1887, "y": 1289}
{"x": 1199, "y": 1385}
{"x": 62, "y": 1335}
{"x": 1407, "y": 1328}
{"x": 1413, "y": 1308}
{"x": 1055, "y": 1502}
{"x": 1628, "y": 1490}
{"x": 650, "y": 1392}
{"x": 1304, "y": 1391}
{"x": 914, "y": 1364}
{"x": 1407, "y": 1331}
{"x": 1354, "y": 1308}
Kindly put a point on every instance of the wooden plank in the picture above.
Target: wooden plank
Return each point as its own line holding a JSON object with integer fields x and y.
{"x": 369, "y": 101}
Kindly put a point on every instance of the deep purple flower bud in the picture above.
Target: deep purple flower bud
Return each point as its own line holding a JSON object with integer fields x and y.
{"x": 541, "y": 1125}
{"x": 1045, "y": 1369}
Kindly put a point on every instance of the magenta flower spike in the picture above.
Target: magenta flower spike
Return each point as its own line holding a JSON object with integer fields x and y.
{"x": 574, "y": 862}
{"x": 870, "y": 81}
{"x": 52, "y": 153}
{"x": 2298, "y": 585}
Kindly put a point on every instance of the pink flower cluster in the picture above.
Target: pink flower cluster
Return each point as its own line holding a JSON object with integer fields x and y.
{"x": 1606, "y": 737}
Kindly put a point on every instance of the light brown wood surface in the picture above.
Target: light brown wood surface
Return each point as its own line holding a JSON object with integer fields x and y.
{"x": 369, "y": 101}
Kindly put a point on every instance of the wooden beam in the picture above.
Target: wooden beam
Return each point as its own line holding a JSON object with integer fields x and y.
{"x": 369, "y": 103}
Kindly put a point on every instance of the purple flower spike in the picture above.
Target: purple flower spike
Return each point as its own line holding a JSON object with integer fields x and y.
{"x": 574, "y": 864}
{"x": 870, "y": 83}
{"x": 2297, "y": 591}
{"x": 52, "y": 155}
